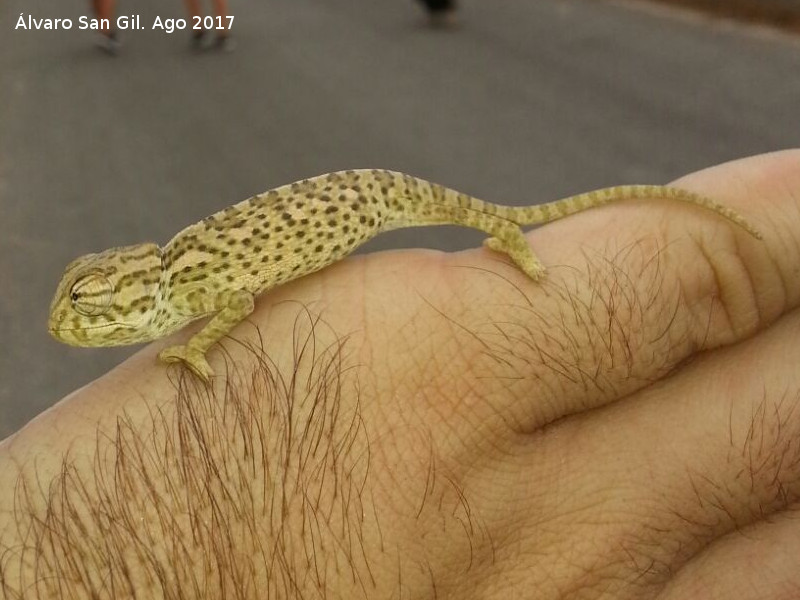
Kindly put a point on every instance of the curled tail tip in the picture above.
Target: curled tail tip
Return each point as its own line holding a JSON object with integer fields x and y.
{"x": 748, "y": 227}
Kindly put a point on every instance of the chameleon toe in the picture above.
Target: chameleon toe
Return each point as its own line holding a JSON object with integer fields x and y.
{"x": 192, "y": 358}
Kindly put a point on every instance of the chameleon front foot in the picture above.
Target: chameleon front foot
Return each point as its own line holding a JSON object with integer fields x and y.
{"x": 191, "y": 357}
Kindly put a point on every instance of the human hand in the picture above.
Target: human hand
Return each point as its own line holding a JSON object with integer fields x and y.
{"x": 418, "y": 424}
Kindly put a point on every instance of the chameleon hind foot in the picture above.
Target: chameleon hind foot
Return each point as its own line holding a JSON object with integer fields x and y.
{"x": 516, "y": 247}
{"x": 191, "y": 357}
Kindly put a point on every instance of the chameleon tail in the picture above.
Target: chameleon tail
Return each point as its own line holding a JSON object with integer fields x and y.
{"x": 430, "y": 204}
{"x": 552, "y": 211}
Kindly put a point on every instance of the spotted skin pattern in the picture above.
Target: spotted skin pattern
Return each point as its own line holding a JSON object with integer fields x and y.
{"x": 216, "y": 267}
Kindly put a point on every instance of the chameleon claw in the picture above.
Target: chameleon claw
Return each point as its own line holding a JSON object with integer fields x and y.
{"x": 191, "y": 357}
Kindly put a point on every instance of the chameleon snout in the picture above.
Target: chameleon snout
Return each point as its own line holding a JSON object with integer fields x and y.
{"x": 54, "y": 323}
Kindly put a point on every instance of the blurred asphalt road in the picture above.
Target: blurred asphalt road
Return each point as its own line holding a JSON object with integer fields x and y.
{"x": 526, "y": 102}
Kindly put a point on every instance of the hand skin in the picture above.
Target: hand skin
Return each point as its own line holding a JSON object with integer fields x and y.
{"x": 626, "y": 428}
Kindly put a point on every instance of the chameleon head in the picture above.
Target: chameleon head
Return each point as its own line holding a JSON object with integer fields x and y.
{"x": 108, "y": 299}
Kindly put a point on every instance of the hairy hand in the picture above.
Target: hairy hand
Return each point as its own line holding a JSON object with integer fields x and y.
{"x": 421, "y": 425}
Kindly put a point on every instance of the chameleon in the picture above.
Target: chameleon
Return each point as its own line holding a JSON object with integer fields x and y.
{"x": 215, "y": 268}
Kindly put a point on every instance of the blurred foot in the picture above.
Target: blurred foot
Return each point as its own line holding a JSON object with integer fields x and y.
{"x": 224, "y": 43}
{"x": 109, "y": 42}
{"x": 443, "y": 19}
{"x": 198, "y": 39}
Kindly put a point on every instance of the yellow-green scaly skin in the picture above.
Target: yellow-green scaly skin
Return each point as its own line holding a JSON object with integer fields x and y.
{"x": 216, "y": 267}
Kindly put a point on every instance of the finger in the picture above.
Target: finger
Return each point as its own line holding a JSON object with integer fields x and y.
{"x": 631, "y": 291}
{"x": 658, "y": 479}
{"x": 758, "y": 563}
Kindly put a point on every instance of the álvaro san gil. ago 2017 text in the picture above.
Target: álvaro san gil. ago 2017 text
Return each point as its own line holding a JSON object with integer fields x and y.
{"x": 169, "y": 25}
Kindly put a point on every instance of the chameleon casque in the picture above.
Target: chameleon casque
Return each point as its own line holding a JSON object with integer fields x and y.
{"x": 216, "y": 267}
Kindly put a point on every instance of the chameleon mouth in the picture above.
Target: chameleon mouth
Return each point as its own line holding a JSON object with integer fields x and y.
{"x": 119, "y": 325}
{"x": 94, "y": 335}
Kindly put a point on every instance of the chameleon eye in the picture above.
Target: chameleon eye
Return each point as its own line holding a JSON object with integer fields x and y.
{"x": 91, "y": 295}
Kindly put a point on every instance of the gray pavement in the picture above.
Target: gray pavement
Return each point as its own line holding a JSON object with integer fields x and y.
{"x": 526, "y": 102}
